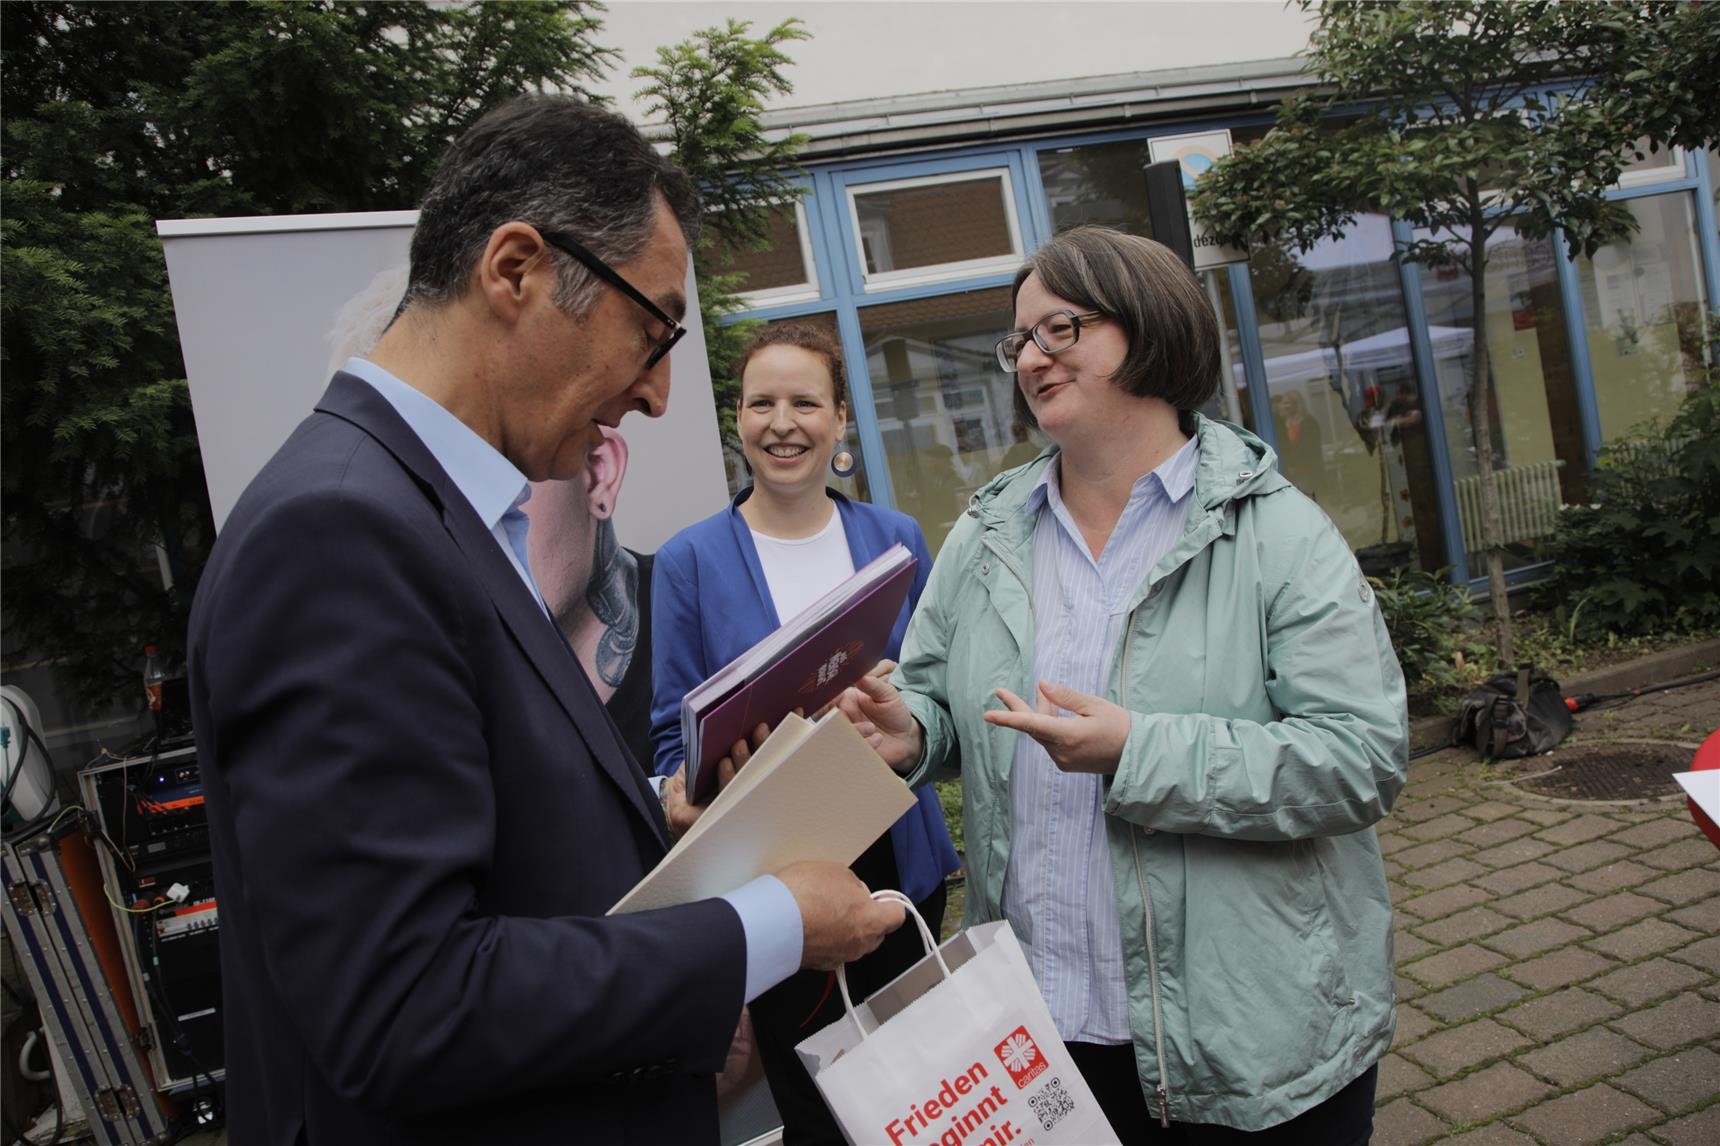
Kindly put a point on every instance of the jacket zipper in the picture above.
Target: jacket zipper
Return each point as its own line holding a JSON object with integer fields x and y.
{"x": 1147, "y": 905}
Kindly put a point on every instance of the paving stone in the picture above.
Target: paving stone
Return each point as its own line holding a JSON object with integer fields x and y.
{"x": 1640, "y": 940}
{"x": 1390, "y": 842}
{"x": 1528, "y": 939}
{"x": 1685, "y": 886}
{"x": 1560, "y": 1013}
{"x": 1677, "y": 1082}
{"x": 1676, "y": 857}
{"x": 1515, "y": 852}
{"x": 1426, "y": 855}
{"x": 1472, "y": 924}
{"x": 1612, "y": 877}
{"x": 1438, "y": 827}
{"x": 1558, "y": 968}
{"x": 1653, "y": 833}
{"x": 1411, "y": 1025}
{"x": 1591, "y": 1115}
{"x": 1642, "y": 983}
{"x": 1491, "y": 810}
{"x": 1393, "y": 868}
{"x": 1468, "y": 999}
{"x": 1589, "y": 855}
{"x": 1583, "y": 1057}
{"x": 1699, "y": 1129}
{"x": 1702, "y": 918}
{"x": 1485, "y": 1094}
{"x": 1545, "y": 817}
{"x": 1408, "y": 988}
{"x": 1443, "y": 902}
{"x": 1451, "y": 966}
{"x": 1416, "y": 811}
{"x": 1543, "y": 900}
{"x": 1456, "y": 1049}
{"x": 1494, "y": 1134}
{"x": 1402, "y": 1123}
{"x": 1614, "y": 910}
{"x": 1444, "y": 874}
{"x": 1498, "y": 832}
{"x": 1505, "y": 881}
{"x": 1397, "y": 1075}
{"x": 1685, "y": 1019}
{"x": 1704, "y": 953}
{"x": 1580, "y": 830}
{"x": 1408, "y": 946}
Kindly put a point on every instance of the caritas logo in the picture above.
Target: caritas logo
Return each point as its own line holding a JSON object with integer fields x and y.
{"x": 1020, "y": 1056}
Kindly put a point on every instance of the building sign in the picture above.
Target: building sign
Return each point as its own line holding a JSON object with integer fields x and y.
{"x": 1195, "y": 154}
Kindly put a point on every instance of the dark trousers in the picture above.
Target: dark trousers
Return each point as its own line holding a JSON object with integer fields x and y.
{"x": 807, "y": 1001}
{"x": 1345, "y": 1119}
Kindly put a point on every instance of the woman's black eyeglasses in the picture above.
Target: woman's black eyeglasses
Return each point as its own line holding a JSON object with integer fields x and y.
{"x": 1058, "y": 330}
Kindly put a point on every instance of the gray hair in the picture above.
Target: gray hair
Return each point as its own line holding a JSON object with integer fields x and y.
{"x": 560, "y": 165}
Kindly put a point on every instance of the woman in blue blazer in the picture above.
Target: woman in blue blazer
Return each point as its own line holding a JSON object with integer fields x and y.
{"x": 721, "y": 585}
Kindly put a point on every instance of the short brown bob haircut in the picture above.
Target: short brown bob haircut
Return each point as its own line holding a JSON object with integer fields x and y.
{"x": 1144, "y": 287}
{"x": 806, "y": 337}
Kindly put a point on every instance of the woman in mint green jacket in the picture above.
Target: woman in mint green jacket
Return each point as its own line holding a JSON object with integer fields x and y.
{"x": 1178, "y": 824}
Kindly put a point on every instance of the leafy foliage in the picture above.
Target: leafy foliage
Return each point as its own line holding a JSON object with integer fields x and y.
{"x": 1431, "y": 625}
{"x": 120, "y": 114}
{"x": 1644, "y": 557}
{"x": 1462, "y": 119}
{"x": 710, "y": 90}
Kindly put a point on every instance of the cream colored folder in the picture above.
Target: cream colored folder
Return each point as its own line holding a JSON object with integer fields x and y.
{"x": 811, "y": 792}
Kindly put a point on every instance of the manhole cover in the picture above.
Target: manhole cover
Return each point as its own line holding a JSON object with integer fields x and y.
{"x": 1621, "y": 770}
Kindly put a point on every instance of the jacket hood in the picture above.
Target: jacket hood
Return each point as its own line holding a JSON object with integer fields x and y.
{"x": 1233, "y": 464}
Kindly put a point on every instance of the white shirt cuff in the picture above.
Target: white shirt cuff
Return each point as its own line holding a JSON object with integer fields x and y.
{"x": 771, "y": 921}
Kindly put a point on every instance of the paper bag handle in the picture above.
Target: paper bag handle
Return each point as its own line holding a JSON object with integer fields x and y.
{"x": 925, "y": 935}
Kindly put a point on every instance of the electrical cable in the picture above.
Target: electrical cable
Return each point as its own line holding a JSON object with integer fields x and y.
{"x": 158, "y": 991}
{"x": 30, "y": 734}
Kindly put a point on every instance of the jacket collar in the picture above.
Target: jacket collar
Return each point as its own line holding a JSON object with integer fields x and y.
{"x": 355, "y": 401}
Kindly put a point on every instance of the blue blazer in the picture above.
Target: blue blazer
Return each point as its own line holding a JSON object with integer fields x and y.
{"x": 710, "y": 604}
{"x": 419, "y": 813}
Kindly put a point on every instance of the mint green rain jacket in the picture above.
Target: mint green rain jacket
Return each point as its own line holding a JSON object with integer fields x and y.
{"x": 1269, "y": 735}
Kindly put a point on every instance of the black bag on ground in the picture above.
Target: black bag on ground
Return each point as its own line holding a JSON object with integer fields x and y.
{"x": 1512, "y": 715}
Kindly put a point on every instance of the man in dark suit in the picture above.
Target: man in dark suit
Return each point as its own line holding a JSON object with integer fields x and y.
{"x": 418, "y": 808}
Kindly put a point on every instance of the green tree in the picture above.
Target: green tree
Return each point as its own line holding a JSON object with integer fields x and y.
{"x": 119, "y": 114}
{"x": 1462, "y": 119}
{"x": 710, "y": 90}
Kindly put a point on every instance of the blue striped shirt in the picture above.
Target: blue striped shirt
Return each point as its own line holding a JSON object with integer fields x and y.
{"x": 1057, "y": 892}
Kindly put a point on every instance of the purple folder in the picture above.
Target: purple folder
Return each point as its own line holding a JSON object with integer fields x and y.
{"x": 804, "y": 664}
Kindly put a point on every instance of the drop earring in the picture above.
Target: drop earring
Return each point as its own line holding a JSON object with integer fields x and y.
{"x": 842, "y": 464}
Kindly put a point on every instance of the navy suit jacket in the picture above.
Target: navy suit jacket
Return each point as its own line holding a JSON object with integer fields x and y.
{"x": 419, "y": 813}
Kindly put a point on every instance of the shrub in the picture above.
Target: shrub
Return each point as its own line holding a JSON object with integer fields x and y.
{"x": 1431, "y": 625}
{"x": 1645, "y": 556}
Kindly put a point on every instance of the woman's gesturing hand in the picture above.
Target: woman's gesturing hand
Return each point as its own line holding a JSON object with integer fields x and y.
{"x": 1089, "y": 738}
{"x": 879, "y": 714}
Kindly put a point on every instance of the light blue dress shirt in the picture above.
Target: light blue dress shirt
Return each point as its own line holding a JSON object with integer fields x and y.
{"x": 496, "y": 489}
{"x": 1058, "y": 894}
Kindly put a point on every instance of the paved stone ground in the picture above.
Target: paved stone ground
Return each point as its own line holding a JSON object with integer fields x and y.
{"x": 1558, "y": 962}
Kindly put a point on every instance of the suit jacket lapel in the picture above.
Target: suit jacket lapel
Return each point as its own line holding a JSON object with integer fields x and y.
{"x": 543, "y": 644}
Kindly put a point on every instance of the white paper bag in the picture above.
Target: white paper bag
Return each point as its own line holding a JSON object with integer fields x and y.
{"x": 959, "y": 1050}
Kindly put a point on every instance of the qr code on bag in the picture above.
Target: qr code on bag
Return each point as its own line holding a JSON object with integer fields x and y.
{"x": 1051, "y": 1103}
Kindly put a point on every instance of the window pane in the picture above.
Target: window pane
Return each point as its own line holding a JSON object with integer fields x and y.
{"x": 944, "y": 222}
{"x": 1642, "y": 314}
{"x": 779, "y": 265}
{"x": 944, "y": 408}
{"x": 1664, "y": 160}
{"x": 1538, "y": 451}
{"x": 1346, "y": 407}
{"x": 1098, "y": 183}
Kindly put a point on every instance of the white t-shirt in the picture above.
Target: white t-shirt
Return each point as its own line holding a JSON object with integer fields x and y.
{"x": 801, "y": 570}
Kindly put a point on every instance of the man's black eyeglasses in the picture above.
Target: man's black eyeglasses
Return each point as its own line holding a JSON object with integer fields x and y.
{"x": 607, "y": 273}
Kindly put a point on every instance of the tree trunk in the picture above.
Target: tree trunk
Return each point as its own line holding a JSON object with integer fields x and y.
{"x": 1481, "y": 425}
